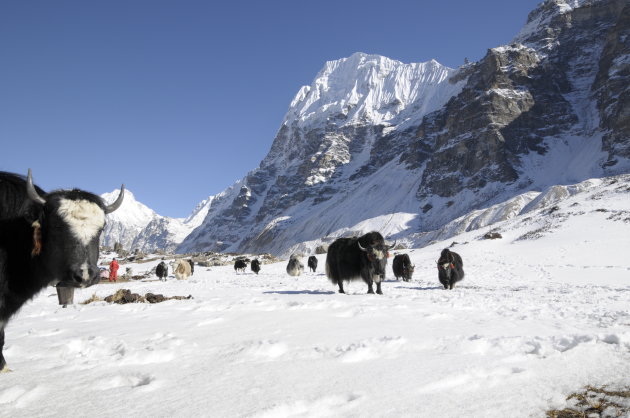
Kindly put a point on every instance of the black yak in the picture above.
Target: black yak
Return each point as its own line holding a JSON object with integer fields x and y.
{"x": 450, "y": 268}
{"x": 45, "y": 239}
{"x": 161, "y": 271}
{"x": 352, "y": 258}
{"x": 255, "y": 265}
{"x": 402, "y": 267}
{"x": 312, "y": 263}
{"x": 240, "y": 265}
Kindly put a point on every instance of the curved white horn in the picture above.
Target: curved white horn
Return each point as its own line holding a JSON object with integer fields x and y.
{"x": 392, "y": 246}
{"x": 30, "y": 190}
{"x": 118, "y": 202}
{"x": 361, "y": 248}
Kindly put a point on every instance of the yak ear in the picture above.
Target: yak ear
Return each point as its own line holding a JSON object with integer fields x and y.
{"x": 37, "y": 239}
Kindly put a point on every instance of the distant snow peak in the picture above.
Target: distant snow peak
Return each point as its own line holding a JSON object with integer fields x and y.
{"x": 369, "y": 87}
{"x": 136, "y": 226}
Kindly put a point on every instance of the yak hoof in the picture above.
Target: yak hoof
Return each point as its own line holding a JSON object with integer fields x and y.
{"x": 341, "y": 291}
{"x": 5, "y": 369}
{"x": 379, "y": 292}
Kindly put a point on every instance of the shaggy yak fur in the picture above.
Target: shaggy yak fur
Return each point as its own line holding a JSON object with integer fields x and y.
{"x": 295, "y": 266}
{"x": 450, "y": 268}
{"x": 312, "y": 263}
{"x": 402, "y": 267}
{"x": 240, "y": 265}
{"x": 353, "y": 258}
{"x": 255, "y": 265}
{"x": 161, "y": 271}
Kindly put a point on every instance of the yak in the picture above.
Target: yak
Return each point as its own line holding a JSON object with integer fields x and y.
{"x": 312, "y": 263}
{"x": 255, "y": 265}
{"x": 402, "y": 267}
{"x": 181, "y": 269}
{"x": 161, "y": 270}
{"x": 450, "y": 268}
{"x": 364, "y": 257}
{"x": 295, "y": 266}
{"x": 46, "y": 239}
{"x": 240, "y": 265}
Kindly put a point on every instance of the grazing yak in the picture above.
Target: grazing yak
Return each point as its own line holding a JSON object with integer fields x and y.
{"x": 161, "y": 271}
{"x": 352, "y": 258}
{"x": 450, "y": 268}
{"x": 181, "y": 269}
{"x": 295, "y": 266}
{"x": 240, "y": 265}
{"x": 46, "y": 239}
{"x": 255, "y": 265}
{"x": 402, "y": 267}
{"x": 312, "y": 263}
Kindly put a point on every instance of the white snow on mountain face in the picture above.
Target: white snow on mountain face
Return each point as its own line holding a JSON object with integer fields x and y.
{"x": 371, "y": 87}
{"x": 540, "y": 314}
{"x": 135, "y": 226}
{"x": 363, "y": 89}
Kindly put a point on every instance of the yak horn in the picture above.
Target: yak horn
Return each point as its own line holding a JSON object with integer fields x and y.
{"x": 30, "y": 190}
{"x": 118, "y": 202}
{"x": 361, "y": 248}
{"x": 392, "y": 246}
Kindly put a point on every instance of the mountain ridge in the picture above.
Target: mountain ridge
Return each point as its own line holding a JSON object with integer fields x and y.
{"x": 409, "y": 148}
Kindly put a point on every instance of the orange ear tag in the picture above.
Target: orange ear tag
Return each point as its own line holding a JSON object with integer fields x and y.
{"x": 37, "y": 239}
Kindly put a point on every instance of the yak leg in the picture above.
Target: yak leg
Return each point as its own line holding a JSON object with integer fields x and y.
{"x": 378, "y": 288}
{"x": 3, "y": 363}
{"x": 341, "y": 286}
{"x": 370, "y": 289}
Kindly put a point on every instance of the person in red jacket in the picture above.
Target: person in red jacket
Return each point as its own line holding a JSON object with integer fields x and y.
{"x": 113, "y": 270}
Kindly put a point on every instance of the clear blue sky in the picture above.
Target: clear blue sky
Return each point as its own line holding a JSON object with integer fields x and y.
{"x": 180, "y": 98}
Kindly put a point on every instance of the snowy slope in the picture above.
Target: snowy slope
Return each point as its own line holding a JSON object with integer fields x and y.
{"x": 541, "y": 313}
{"x": 337, "y": 131}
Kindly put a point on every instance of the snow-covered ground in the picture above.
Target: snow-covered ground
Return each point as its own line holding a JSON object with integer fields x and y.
{"x": 541, "y": 313}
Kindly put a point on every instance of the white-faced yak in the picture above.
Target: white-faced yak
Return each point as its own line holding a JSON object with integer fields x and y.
{"x": 295, "y": 266}
{"x": 353, "y": 258}
{"x": 450, "y": 268}
{"x": 46, "y": 239}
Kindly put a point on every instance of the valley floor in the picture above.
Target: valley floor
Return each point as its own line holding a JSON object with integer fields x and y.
{"x": 532, "y": 322}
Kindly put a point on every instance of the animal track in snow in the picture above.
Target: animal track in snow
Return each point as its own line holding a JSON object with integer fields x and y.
{"x": 472, "y": 379}
{"x": 261, "y": 350}
{"x": 126, "y": 380}
{"x": 20, "y": 396}
{"x": 327, "y": 406}
{"x": 384, "y": 347}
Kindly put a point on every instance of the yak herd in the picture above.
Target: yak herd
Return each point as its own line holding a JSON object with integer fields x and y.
{"x": 53, "y": 239}
{"x": 365, "y": 258}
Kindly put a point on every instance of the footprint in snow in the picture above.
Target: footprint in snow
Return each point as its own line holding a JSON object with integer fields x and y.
{"x": 384, "y": 347}
{"x": 335, "y": 405}
{"x": 133, "y": 380}
{"x": 20, "y": 396}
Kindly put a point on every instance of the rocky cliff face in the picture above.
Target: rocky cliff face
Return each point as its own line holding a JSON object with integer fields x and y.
{"x": 406, "y": 148}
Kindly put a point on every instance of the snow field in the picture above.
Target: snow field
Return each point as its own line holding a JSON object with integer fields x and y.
{"x": 533, "y": 321}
